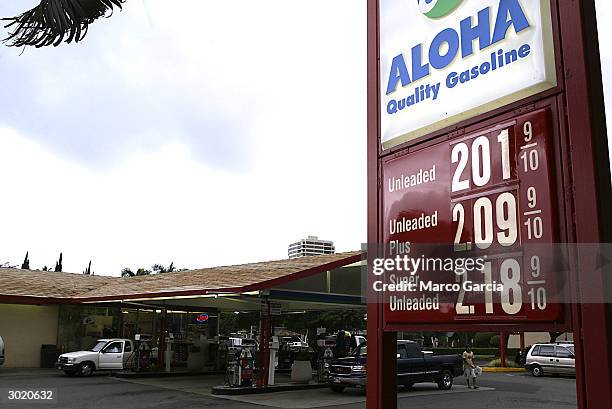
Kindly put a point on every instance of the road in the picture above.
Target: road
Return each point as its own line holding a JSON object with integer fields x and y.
{"x": 498, "y": 390}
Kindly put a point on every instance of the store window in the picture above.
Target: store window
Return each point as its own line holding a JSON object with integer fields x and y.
{"x": 80, "y": 326}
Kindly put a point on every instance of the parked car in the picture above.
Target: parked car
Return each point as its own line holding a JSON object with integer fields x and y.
{"x": 105, "y": 354}
{"x": 1, "y": 351}
{"x": 551, "y": 358}
{"x": 413, "y": 366}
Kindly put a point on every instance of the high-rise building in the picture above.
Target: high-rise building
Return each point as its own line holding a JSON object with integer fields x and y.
{"x": 311, "y": 246}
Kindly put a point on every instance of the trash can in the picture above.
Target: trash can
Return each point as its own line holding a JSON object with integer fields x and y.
{"x": 48, "y": 356}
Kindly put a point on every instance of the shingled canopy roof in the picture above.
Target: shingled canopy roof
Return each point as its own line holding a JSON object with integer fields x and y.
{"x": 20, "y": 285}
{"x": 47, "y": 284}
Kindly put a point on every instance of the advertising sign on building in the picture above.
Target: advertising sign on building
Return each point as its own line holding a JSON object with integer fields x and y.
{"x": 444, "y": 61}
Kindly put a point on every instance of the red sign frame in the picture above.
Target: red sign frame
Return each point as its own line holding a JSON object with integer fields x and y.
{"x": 528, "y": 139}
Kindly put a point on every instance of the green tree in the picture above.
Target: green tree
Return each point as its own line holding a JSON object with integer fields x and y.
{"x": 161, "y": 269}
{"x": 155, "y": 269}
{"x": 143, "y": 272}
{"x": 126, "y": 272}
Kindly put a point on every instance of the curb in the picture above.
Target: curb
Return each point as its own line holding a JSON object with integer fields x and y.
{"x": 132, "y": 375}
{"x": 495, "y": 369}
{"x": 225, "y": 390}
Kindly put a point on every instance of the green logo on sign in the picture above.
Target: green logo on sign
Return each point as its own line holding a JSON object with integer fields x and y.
{"x": 437, "y": 8}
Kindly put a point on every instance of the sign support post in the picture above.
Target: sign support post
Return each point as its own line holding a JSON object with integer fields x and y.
{"x": 382, "y": 391}
{"x": 589, "y": 163}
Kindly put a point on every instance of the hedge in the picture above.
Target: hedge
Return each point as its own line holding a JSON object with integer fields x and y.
{"x": 483, "y": 339}
{"x": 494, "y": 341}
{"x": 510, "y": 353}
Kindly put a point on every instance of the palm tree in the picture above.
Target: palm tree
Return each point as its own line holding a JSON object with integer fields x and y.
{"x": 160, "y": 268}
{"x": 155, "y": 269}
{"x": 52, "y": 21}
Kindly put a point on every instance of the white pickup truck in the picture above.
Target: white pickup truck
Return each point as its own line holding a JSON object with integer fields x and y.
{"x": 104, "y": 355}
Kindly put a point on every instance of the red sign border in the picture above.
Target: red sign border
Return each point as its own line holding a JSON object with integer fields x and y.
{"x": 564, "y": 324}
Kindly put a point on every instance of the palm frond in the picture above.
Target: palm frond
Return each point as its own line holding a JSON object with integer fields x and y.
{"x": 54, "y": 21}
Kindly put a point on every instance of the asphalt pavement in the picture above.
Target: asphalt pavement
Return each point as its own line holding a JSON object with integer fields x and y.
{"x": 511, "y": 391}
{"x": 498, "y": 390}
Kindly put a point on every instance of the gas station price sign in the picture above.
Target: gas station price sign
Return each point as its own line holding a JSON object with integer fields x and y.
{"x": 484, "y": 200}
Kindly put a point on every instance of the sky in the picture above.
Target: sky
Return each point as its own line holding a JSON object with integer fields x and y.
{"x": 604, "y": 16}
{"x": 197, "y": 132}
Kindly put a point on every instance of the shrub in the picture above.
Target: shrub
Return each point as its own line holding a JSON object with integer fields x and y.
{"x": 453, "y": 351}
{"x": 496, "y": 363}
{"x": 483, "y": 339}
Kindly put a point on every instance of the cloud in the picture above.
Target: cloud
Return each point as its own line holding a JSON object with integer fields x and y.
{"x": 127, "y": 87}
{"x": 212, "y": 133}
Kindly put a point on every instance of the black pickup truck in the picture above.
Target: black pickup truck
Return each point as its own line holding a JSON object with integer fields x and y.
{"x": 413, "y": 366}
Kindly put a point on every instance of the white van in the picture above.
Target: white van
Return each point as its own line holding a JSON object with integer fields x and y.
{"x": 1, "y": 351}
{"x": 551, "y": 359}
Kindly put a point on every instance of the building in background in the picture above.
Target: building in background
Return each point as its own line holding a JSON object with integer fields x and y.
{"x": 311, "y": 246}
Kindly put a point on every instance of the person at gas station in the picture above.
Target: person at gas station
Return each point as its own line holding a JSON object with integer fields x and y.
{"x": 469, "y": 368}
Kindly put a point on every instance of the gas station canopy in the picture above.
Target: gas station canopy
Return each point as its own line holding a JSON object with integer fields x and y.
{"x": 307, "y": 283}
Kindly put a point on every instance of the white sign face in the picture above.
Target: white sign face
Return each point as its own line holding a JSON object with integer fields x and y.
{"x": 443, "y": 61}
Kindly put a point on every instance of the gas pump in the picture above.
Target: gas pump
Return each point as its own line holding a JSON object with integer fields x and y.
{"x": 143, "y": 352}
{"x": 326, "y": 354}
{"x": 274, "y": 347}
{"x": 232, "y": 372}
{"x": 245, "y": 368}
{"x": 169, "y": 351}
{"x": 240, "y": 362}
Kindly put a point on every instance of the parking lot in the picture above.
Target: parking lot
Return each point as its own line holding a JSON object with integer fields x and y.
{"x": 498, "y": 390}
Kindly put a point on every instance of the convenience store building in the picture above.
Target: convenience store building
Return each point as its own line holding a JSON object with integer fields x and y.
{"x": 70, "y": 311}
